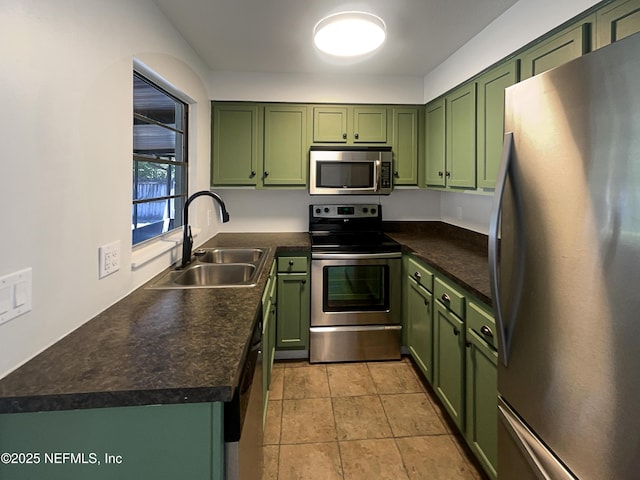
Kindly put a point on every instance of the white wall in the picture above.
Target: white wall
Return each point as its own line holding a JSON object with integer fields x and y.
{"x": 307, "y": 88}
{"x": 66, "y": 96}
{"x": 277, "y": 210}
{"x": 521, "y": 24}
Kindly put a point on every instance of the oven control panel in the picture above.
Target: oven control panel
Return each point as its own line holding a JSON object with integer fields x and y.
{"x": 346, "y": 211}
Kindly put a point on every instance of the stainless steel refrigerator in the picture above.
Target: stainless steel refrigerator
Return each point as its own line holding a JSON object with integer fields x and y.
{"x": 564, "y": 252}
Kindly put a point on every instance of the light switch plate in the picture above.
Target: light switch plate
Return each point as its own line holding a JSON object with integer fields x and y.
{"x": 109, "y": 259}
{"x": 15, "y": 294}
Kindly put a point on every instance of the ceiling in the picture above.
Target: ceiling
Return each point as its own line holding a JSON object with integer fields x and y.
{"x": 274, "y": 36}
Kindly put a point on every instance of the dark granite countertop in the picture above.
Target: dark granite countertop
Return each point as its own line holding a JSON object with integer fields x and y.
{"x": 458, "y": 253}
{"x": 152, "y": 347}
{"x": 179, "y": 346}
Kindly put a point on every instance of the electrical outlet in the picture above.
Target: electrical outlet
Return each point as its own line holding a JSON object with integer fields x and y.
{"x": 109, "y": 259}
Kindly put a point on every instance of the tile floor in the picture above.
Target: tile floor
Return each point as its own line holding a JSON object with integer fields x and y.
{"x": 354, "y": 421}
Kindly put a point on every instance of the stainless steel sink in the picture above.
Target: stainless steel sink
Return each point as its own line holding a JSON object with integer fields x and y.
{"x": 229, "y": 255}
{"x": 216, "y": 274}
{"x": 216, "y": 268}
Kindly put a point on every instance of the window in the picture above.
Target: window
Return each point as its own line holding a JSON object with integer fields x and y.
{"x": 159, "y": 160}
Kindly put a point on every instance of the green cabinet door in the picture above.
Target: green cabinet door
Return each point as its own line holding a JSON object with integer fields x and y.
{"x": 556, "y": 50}
{"x": 435, "y": 144}
{"x": 162, "y": 442}
{"x": 285, "y": 146}
{"x": 292, "y": 329}
{"x": 369, "y": 125}
{"x": 405, "y": 145}
{"x": 330, "y": 124}
{"x": 420, "y": 326}
{"x": 617, "y": 21}
{"x": 460, "y": 150}
{"x": 349, "y": 124}
{"x": 236, "y": 143}
{"x": 490, "y": 121}
{"x": 449, "y": 362}
{"x": 482, "y": 401}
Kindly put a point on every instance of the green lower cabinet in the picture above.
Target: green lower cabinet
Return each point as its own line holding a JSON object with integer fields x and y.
{"x": 482, "y": 401}
{"x": 419, "y": 323}
{"x": 293, "y": 312}
{"x": 449, "y": 362}
{"x": 127, "y": 443}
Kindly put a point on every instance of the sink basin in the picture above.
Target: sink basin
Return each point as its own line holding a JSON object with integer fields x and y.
{"x": 216, "y": 268}
{"x": 229, "y": 255}
{"x": 201, "y": 275}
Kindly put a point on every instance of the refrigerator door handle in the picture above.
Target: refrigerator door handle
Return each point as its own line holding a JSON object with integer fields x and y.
{"x": 504, "y": 342}
{"x": 544, "y": 464}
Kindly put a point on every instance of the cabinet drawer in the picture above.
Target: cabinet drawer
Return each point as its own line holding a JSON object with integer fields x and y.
{"x": 450, "y": 297}
{"x": 482, "y": 322}
{"x": 420, "y": 273}
{"x": 292, "y": 264}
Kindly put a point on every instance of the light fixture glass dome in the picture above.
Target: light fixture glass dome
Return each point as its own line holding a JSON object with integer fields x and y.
{"x": 349, "y": 34}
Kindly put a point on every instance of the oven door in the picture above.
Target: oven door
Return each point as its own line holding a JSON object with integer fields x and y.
{"x": 355, "y": 289}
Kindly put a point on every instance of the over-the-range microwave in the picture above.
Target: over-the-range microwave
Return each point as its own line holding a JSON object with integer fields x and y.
{"x": 350, "y": 171}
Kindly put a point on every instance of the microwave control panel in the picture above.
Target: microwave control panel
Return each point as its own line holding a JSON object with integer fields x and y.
{"x": 385, "y": 176}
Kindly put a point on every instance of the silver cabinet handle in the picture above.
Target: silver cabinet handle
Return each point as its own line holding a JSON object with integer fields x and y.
{"x": 486, "y": 331}
{"x": 417, "y": 275}
{"x": 446, "y": 298}
{"x": 344, "y": 136}
{"x": 456, "y": 331}
{"x": 357, "y": 135}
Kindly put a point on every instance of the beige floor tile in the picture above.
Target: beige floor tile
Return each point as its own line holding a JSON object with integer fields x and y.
{"x": 306, "y": 382}
{"x": 278, "y": 364}
{"x": 270, "y": 462}
{"x": 295, "y": 363}
{"x": 412, "y": 414}
{"x": 350, "y": 379}
{"x": 272, "y": 425}
{"x": 307, "y": 420}
{"x": 319, "y": 461}
{"x": 359, "y": 418}
{"x": 394, "y": 377}
{"x": 372, "y": 459}
{"x": 434, "y": 458}
{"x": 276, "y": 386}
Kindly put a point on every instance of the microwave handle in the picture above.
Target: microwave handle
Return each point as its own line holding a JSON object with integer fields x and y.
{"x": 378, "y": 174}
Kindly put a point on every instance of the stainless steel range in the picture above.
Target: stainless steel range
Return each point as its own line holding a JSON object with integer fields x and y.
{"x": 355, "y": 285}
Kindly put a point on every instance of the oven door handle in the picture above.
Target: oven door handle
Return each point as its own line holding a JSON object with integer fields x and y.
{"x": 353, "y": 256}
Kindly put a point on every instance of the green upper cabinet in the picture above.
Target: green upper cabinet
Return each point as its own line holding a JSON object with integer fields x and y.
{"x": 405, "y": 144}
{"x": 435, "y": 144}
{"x": 369, "y": 125}
{"x": 490, "y": 121}
{"x": 556, "y": 50}
{"x": 286, "y": 145}
{"x": 236, "y": 149}
{"x": 349, "y": 124}
{"x": 460, "y": 148}
{"x": 330, "y": 124}
{"x": 617, "y": 21}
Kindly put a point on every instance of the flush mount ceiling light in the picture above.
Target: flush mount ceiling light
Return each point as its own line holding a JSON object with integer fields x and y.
{"x": 349, "y": 34}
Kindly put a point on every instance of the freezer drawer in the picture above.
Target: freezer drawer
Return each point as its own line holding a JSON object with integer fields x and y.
{"x": 355, "y": 343}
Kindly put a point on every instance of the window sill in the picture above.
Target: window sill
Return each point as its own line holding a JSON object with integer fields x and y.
{"x": 145, "y": 254}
